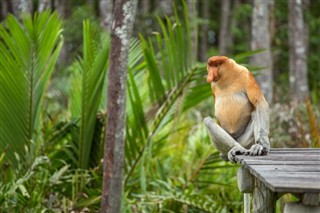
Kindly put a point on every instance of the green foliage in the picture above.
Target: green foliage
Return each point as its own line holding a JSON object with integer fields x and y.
{"x": 94, "y": 66}
{"x": 163, "y": 87}
{"x": 241, "y": 28}
{"x": 166, "y": 169}
{"x": 297, "y": 127}
{"x": 167, "y": 75}
{"x": 313, "y": 20}
{"x": 74, "y": 36}
{"x": 32, "y": 189}
{"x": 281, "y": 55}
{"x": 28, "y": 55}
{"x": 170, "y": 165}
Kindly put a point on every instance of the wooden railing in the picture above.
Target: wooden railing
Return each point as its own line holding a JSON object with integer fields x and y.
{"x": 295, "y": 171}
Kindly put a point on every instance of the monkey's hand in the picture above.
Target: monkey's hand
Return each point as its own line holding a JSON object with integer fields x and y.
{"x": 262, "y": 147}
{"x": 236, "y": 150}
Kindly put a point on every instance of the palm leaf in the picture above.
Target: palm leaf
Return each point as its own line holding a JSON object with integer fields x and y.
{"x": 168, "y": 76}
{"x": 94, "y": 66}
{"x": 28, "y": 55}
{"x": 87, "y": 94}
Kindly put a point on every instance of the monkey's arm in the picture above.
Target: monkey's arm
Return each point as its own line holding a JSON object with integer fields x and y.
{"x": 260, "y": 118}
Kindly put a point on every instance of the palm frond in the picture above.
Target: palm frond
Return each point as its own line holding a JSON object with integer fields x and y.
{"x": 169, "y": 75}
{"x": 28, "y": 55}
{"x": 94, "y": 66}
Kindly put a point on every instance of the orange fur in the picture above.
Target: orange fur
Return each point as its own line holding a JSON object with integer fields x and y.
{"x": 236, "y": 94}
{"x": 254, "y": 92}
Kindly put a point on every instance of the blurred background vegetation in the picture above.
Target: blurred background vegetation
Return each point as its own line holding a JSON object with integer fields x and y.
{"x": 53, "y": 64}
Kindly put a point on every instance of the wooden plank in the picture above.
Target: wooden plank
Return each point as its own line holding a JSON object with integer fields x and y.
{"x": 294, "y": 185}
{"x": 282, "y": 157}
{"x": 290, "y": 183}
{"x": 292, "y": 175}
{"x": 287, "y": 168}
{"x": 296, "y": 181}
{"x": 281, "y": 175}
{"x": 295, "y": 149}
{"x": 294, "y": 153}
{"x": 289, "y": 186}
{"x": 275, "y": 162}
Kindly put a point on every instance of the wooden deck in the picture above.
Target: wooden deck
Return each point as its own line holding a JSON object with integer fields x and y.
{"x": 284, "y": 171}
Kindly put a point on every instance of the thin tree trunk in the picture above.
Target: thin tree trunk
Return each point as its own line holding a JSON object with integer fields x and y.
{"x": 225, "y": 29}
{"x": 192, "y": 7}
{"x": 61, "y": 8}
{"x": 4, "y": 9}
{"x": 166, "y": 7}
{"x": 203, "y": 34}
{"x": 21, "y": 6}
{"x": 105, "y": 9}
{"x": 146, "y": 6}
{"x": 44, "y": 5}
{"x": 90, "y": 3}
{"x": 122, "y": 24}
{"x": 233, "y": 20}
{"x": 298, "y": 47}
{"x": 261, "y": 40}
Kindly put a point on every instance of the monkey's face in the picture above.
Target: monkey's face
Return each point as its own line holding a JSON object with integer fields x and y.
{"x": 213, "y": 67}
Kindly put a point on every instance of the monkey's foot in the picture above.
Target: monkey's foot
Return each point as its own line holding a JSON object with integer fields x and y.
{"x": 256, "y": 150}
{"x": 236, "y": 151}
{"x": 224, "y": 157}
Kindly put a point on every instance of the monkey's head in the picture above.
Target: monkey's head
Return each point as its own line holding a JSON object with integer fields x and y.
{"x": 214, "y": 67}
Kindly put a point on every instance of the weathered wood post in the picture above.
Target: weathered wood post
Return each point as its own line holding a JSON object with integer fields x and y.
{"x": 264, "y": 200}
{"x": 282, "y": 171}
{"x": 245, "y": 183}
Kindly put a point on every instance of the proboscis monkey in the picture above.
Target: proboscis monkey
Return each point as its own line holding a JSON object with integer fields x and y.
{"x": 240, "y": 108}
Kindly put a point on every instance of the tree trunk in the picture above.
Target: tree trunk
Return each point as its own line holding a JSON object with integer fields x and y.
{"x": 192, "y": 8}
{"x": 225, "y": 28}
{"x": 21, "y": 6}
{"x": 261, "y": 40}
{"x": 146, "y": 6}
{"x": 166, "y": 7}
{"x": 298, "y": 47}
{"x": 122, "y": 24}
{"x": 60, "y": 7}
{"x": 105, "y": 9}
{"x": 234, "y": 21}
{"x": 44, "y": 5}
{"x": 203, "y": 34}
{"x": 90, "y": 3}
{"x": 4, "y": 9}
